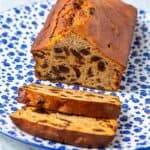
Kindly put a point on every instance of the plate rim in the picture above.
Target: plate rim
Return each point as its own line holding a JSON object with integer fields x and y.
{"x": 30, "y": 143}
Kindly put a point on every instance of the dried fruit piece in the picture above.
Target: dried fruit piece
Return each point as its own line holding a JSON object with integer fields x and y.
{"x": 95, "y": 58}
{"x": 100, "y": 87}
{"x": 91, "y": 10}
{"x": 70, "y": 20}
{"x": 60, "y": 78}
{"x": 101, "y": 66}
{"x": 117, "y": 72}
{"x": 90, "y": 95}
{"x": 38, "y": 73}
{"x": 100, "y": 96}
{"x": 68, "y": 92}
{"x": 40, "y": 101}
{"x": 117, "y": 83}
{"x": 58, "y": 50}
{"x": 90, "y": 73}
{"x": 41, "y": 110}
{"x": 98, "y": 80}
{"x": 98, "y": 130}
{"x": 77, "y": 71}
{"x": 109, "y": 125}
{"x": 108, "y": 45}
{"x": 66, "y": 51}
{"x": 55, "y": 70}
{"x": 76, "y": 5}
{"x": 85, "y": 51}
{"x": 60, "y": 57}
{"x": 39, "y": 54}
{"x": 76, "y": 54}
{"x": 44, "y": 65}
{"x": 63, "y": 69}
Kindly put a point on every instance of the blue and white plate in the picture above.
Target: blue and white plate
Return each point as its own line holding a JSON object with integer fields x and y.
{"x": 18, "y": 29}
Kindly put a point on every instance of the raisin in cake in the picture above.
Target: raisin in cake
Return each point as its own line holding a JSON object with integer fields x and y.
{"x": 85, "y": 42}
{"x": 70, "y": 101}
{"x": 75, "y": 130}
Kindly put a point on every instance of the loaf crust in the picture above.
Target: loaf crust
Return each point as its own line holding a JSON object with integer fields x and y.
{"x": 76, "y": 138}
{"x": 113, "y": 23}
{"x": 70, "y": 101}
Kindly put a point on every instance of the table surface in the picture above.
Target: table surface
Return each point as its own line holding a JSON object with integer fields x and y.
{"x": 7, "y": 143}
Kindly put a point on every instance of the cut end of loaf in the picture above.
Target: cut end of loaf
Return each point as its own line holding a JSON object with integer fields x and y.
{"x": 73, "y": 61}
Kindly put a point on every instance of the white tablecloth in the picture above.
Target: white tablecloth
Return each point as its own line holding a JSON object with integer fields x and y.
{"x": 5, "y": 142}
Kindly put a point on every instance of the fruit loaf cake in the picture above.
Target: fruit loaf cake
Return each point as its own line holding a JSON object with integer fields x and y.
{"x": 85, "y": 43}
{"x": 70, "y": 101}
{"x": 74, "y": 130}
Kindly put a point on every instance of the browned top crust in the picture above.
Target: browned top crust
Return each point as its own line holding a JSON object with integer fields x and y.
{"x": 107, "y": 24}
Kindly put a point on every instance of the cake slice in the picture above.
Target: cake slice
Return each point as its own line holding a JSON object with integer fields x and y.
{"x": 85, "y": 42}
{"x": 74, "y": 130}
{"x": 70, "y": 101}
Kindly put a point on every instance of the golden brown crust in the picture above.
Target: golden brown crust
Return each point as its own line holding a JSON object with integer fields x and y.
{"x": 70, "y": 105}
{"x": 62, "y": 135}
{"x": 107, "y": 25}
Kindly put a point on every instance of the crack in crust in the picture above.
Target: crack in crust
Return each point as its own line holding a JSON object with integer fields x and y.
{"x": 58, "y": 17}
